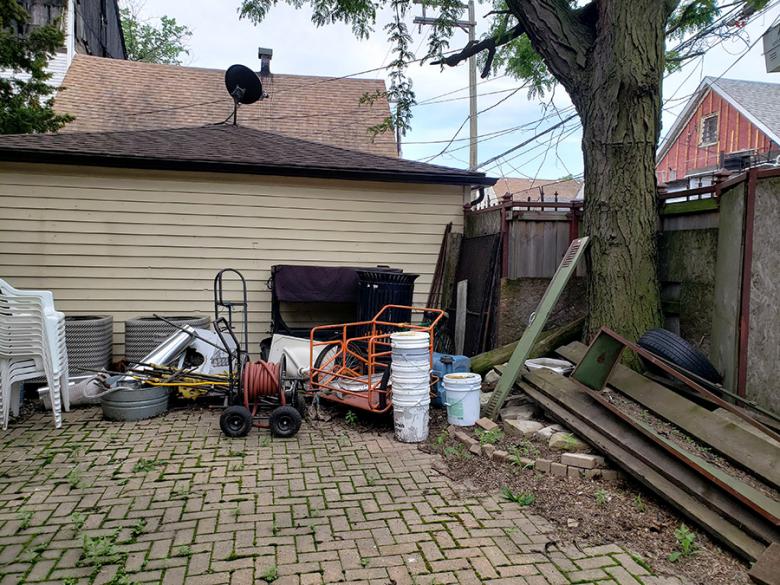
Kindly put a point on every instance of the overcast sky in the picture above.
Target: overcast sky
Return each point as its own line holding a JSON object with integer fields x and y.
{"x": 220, "y": 39}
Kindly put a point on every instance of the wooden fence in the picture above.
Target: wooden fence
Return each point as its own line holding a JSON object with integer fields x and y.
{"x": 534, "y": 234}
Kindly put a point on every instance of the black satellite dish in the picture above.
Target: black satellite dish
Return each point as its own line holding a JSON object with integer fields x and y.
{"x": 243, "y": 85}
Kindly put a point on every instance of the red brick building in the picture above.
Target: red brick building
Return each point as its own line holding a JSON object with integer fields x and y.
{"x": 727, "y": 124}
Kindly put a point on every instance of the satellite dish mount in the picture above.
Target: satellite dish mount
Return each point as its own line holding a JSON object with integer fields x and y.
{"x": 244, "y": 86}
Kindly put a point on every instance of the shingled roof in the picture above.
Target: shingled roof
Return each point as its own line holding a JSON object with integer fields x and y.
{"x": 225, "y": 148}
{"x": 111, "y": 94}
{"x": 522, "y": 188}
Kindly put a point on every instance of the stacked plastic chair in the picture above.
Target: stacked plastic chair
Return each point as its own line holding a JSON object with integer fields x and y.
{"x": 32, "y": 344}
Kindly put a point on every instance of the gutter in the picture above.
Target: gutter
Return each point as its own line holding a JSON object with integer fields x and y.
{"x": 97, "y": 160}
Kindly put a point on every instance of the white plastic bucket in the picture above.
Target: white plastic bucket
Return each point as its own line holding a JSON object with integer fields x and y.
{"x": 462, "y": 392}
{"x": 410, "y": 346}
{"x": 410, "y": 416}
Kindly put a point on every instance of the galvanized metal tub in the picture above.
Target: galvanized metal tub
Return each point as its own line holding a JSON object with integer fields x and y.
{"x": 135, "y": 403}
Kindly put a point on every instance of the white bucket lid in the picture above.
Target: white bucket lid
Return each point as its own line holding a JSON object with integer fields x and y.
{"x": 463, "y": 379}
{"x": 409, "y": 339}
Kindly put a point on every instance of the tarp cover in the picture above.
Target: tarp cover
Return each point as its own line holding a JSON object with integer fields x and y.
{"x": 315, "y": 284}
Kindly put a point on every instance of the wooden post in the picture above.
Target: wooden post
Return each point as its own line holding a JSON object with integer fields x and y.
{"x": 461, "y": 311}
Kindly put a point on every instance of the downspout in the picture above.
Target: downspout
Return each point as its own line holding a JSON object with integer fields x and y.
{"x": 479, "y": 199}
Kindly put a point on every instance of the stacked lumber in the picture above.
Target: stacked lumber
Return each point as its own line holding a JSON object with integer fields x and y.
{"x": 731, "y": 511}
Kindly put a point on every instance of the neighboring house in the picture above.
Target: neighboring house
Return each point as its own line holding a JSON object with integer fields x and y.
{"x": 135, "y": 222}
{"x": 92, "y": 27}
{"x": 108, "y": 95}
{"x": 727, "y": 125}
{"x": 523, "y": 189}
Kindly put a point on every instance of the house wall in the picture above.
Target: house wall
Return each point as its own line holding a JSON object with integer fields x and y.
{"x": 735, "y": 133}
{"x": 129, "y": 243}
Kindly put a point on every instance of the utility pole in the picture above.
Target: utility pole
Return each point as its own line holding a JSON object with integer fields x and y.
{"x": 472, "y": 91}
{"x": 469, "y": 26}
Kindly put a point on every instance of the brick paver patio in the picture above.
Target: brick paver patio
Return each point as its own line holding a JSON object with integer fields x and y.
{"x": 171, "y": 500}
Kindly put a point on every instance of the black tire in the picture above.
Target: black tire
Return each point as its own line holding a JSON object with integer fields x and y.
{"x": 676, "y": 350}
{"x": 284, "y": 421}
{"x": 236, "y": 421}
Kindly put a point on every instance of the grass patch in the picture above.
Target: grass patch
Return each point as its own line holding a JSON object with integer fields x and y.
{"x": 137, "y": 529}
{"x": 25, "y": 517}
{"x": 602, "y": 497}
{"x": 271, "y": 574}
{"x": 457, "y": 451}
{"x": 146, "y": 465}
{"x": 490, "y": 437}
{"x": 521, "y": 498}
{"x": 351, "y": 418}
{"x": 639, "y": 503}
{"x": 74, "y": 478}
{"x": 78, "y": 520}
{"x": 184, "y": 551}
{"x": 686, "y": 543}
{"x": 100, "y": 550}
{"x": 524, "y": 448}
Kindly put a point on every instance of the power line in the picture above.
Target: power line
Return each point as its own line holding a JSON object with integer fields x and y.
{"x": 522, "y": 144}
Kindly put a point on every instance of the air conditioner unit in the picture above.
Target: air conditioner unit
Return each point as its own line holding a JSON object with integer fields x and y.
{"x": 737, "y": 161}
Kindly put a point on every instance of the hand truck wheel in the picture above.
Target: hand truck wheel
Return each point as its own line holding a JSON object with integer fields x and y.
{"x": 284, "y": 421}
{"x": 236, "y": 421}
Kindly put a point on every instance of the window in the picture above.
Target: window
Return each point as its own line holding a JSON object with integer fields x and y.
{"x": 709, "y": 130}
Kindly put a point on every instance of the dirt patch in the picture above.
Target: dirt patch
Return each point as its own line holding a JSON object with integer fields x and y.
{"x": 592, "y": 512}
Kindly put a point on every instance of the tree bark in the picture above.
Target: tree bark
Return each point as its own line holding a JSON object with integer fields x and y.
{"x": 609, "y": 55}
{"x": 620, "y": 107}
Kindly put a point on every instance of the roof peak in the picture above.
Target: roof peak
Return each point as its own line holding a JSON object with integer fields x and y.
{"x": 144, "y": 64}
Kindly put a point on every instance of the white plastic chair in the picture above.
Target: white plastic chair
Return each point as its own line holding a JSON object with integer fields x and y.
{"x": 32, "y": 344}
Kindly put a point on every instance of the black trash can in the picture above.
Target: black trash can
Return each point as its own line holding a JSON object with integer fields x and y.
{"x": 377, "y": 288}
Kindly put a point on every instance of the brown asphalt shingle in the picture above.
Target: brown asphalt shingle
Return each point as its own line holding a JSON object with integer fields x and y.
{"x": 224, "y": 148}
{"x": 112, "y": 94}
{"x": 521, "y": 188}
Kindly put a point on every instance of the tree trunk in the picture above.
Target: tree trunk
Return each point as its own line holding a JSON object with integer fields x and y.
{"x": 619, "y": 101}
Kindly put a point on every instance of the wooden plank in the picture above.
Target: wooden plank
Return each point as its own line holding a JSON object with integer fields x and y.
{"x": 549, "y": 249}
{"x": 766, "y": 571}
{"x": 755, "y": 454}
{"x": 568, "y": 403}
{"x": 748, "y": 495}
{"x": 461, "y": 311}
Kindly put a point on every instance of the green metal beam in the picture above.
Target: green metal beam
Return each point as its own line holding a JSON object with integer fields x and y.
{"x": 559, "y": 280}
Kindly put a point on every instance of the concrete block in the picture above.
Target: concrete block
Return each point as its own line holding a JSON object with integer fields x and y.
{"x": 558, "y": 469}
{"x": 566, "y": 442}
{"x": 488, "y": 450}
{"x": 520, "y": 412}
{"x": 543, "y": 465}
{"x": 501, "y": 456}
{"x": 594, "y": 473}
{"x": 573, "y": 472}
{"x": 547, "y": 432}
{"x": 582, "y": 460}
{"x": 610, "y": 474}
{"x": 452, "y": 430}
{"x": 476, "y": 449}
{"x": 521, "y": 428}
{"x": 465, "y": 438}
{"x": 486, "y": 424}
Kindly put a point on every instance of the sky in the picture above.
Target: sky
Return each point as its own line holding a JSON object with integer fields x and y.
{"x": 220, "y": 38}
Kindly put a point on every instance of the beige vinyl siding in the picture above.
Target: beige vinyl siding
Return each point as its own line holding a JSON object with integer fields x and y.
{"x": 129, "y": 243}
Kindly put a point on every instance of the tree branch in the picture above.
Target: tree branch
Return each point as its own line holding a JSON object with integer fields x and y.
{"x": 490, "y": 45}
{"x": 562, "y": 35}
